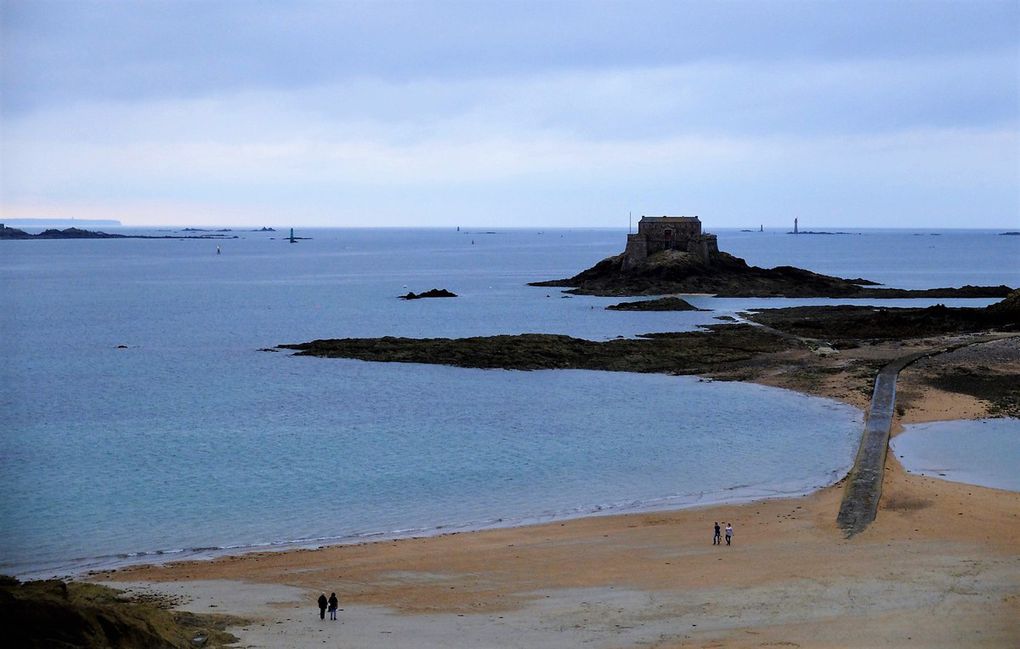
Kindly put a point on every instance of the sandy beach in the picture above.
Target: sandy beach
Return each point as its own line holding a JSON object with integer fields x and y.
{"x": 940, "y": 567}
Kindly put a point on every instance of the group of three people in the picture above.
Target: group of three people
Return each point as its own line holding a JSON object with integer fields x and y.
{"x": 332, "y": 604}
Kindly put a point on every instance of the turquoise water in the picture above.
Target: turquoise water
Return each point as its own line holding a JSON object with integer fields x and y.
{"x": 190, "y": 440}
{"x": 983, "y": 452}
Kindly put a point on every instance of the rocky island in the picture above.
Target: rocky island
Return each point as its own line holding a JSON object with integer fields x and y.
{"x": 670, "y": 254}
{"x": 435, "y": 292}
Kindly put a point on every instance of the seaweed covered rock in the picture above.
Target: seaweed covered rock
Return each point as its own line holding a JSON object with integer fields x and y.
{"x": 1008, "y": 308}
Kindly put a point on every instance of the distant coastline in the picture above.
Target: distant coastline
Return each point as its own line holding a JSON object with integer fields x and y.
{"x": 7, "y": 233}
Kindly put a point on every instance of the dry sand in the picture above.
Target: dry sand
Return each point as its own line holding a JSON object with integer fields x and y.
{"x": 939, "y": 568}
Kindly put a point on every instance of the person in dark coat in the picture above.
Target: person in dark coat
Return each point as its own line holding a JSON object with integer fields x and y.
{"x": 322, "y": 606}
{"x": 716, "y": 538}
{"x": 333, "y": 604}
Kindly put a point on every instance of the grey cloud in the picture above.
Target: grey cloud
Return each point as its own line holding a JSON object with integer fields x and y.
{"x": 56, "y": 52}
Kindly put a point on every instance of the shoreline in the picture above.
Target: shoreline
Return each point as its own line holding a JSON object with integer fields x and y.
{"x": 938, "y": 567}
{"x": 743, "y": 494}
{"x": 159, "y": 558}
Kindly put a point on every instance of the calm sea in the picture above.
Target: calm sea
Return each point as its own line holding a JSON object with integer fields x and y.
{"x": 189, "y": 441}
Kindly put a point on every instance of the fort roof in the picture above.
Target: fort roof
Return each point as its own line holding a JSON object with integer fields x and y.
{"x": 670, "y": 218}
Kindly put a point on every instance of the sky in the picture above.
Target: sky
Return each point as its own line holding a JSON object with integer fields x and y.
{"x": 513, "y": 113}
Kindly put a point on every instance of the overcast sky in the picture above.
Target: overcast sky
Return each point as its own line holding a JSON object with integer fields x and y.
{"x": 866, "y": 114}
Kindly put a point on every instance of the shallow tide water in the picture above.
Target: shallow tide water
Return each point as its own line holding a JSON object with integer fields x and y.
{"x": 983, "y": 452}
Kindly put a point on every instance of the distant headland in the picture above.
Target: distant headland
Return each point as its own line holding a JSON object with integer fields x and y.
{"x": 78, "y": 233}
{"x": 671, "y": 254}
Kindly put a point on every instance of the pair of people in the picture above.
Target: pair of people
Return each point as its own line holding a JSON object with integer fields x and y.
{"x": 332, "y": 604}
{"x": 729, "y": 534}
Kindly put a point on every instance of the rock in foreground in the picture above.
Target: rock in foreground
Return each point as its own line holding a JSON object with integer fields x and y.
{"x": 79, "y": 615}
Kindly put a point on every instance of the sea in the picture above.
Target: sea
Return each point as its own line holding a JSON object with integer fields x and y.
{"x": 145, "y": 415}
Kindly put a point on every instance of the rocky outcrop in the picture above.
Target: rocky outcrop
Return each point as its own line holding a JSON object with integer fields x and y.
{"x": 1008, "y": 308}
{"x": 660, "y": 304}
{"x": 729, "y": 276}
{"x": 847, "y": 325}
{"x": 53, "y": 613}
{"x": 674, "y": 353}
{"x": 435, "y": 292}
{"x": 693, "y": 352}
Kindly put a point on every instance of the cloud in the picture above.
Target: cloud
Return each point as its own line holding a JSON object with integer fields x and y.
{"x": 620, "y": 108}
{"x": 575, "y": 141}
{"x": 56, "y": 52}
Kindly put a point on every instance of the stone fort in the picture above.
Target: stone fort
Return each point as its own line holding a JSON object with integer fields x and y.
{"x": 658, "y": 233}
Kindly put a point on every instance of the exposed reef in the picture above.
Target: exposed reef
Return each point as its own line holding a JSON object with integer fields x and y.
{"x": 676, "y": 353}
{"x": 660, "y": 304}
{"x": 435, "y": 292}
{"x": 725, "y": 275}
{"x": 694, "y": 352}
{"x": 847, "y": 325}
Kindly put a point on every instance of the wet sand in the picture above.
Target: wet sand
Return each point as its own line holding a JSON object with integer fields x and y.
{"x": 940, "y": 566}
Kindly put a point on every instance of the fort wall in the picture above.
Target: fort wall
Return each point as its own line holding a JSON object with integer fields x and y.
{"x": 658, "y": 233}
{"x": 636, "y": 252}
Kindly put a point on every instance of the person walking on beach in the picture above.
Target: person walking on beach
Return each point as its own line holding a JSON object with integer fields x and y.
{"x": 716, "y": 538}
{"x": 333, "y": 604}
{"x": 729, "y": 533}
{"x": 322, "y": 606}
